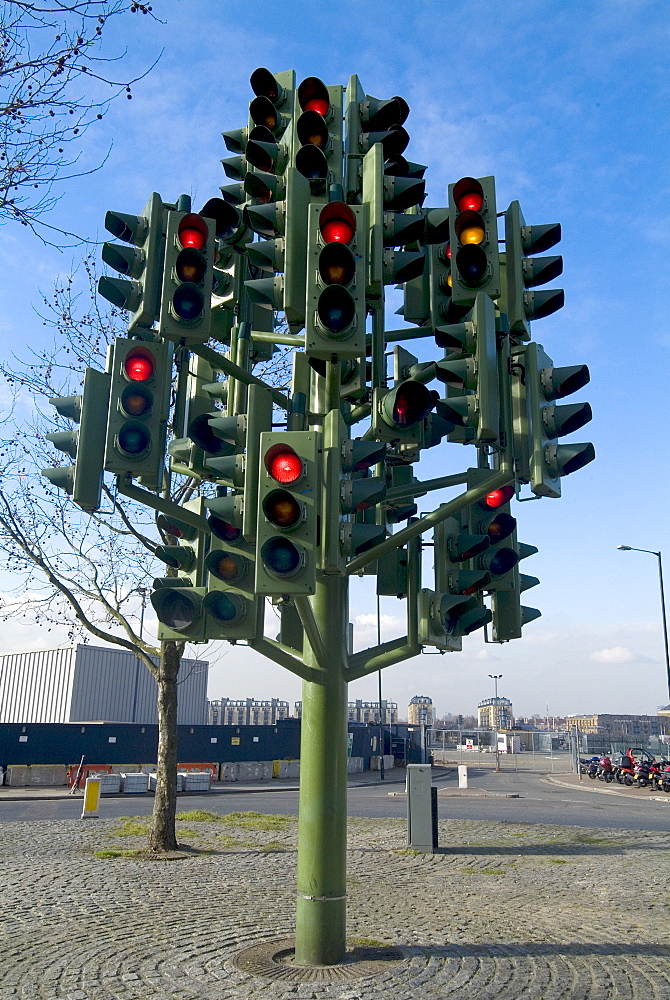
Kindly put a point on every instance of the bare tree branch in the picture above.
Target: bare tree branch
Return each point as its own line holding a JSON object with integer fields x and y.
{"x": 55, "y": 85}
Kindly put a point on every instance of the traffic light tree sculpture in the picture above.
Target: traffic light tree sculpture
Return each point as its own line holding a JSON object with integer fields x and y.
{"x": 299, "y": 489}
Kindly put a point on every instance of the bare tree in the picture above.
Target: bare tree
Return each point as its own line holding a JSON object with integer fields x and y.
{"x": 86, "y": 571}
{"x": 55, "y": 84}
{"x": 70, "y": 568}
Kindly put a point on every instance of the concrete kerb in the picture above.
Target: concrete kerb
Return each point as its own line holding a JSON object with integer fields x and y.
{"x": 360, "y": 780}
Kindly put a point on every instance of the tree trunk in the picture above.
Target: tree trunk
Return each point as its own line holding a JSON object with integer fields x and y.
{"x": 162, "y": 834}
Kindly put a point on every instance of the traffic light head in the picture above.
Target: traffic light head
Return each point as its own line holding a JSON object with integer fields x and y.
{"x": 140, "y": 264}
{"x": 83, "y": 480}
{"x": 288, "y": 513}
{"x": 188, "y": 274}
{"x": 524, "y": 272}
{"x": 539, "y": 420}
{"x": 335, "y": 320}
{"x": 474, "y": 239}
{"x": 138, "y": 409}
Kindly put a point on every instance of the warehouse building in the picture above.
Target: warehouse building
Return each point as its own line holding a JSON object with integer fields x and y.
{"x": 84, "y": 683}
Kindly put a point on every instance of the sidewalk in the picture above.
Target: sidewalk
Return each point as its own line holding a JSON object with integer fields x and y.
{"x": 503, "y": 911}
{"x": 362, "y": 778}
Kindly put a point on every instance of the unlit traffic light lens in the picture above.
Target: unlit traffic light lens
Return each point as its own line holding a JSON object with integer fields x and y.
{"x": 190, "y": 265}
{"x": 134, "y": 439}
{"x": 281, "y": 556}
{"x": 188, "y": 302}
{"x": 227, "y": 566}
{"x": 283, "y": 509}
{"x": 225, "y": 608}
{"x": 136, "y": 401}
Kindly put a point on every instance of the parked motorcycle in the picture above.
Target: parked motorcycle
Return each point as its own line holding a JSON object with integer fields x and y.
{"x": 656, "y": 773}
{"x": 642, "y": 771}
{"x": 605, "y": 769}
{"x": 625, "y": 772}
{"x": 592, "y": 767}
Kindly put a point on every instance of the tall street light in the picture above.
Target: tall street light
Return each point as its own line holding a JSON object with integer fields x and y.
{"x": 631, "y": 548}
{"x": 496, "y": 718}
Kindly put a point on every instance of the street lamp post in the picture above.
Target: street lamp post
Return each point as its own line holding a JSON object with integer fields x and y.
{"x": 631, "y": 548}
{"x": 144, "y": 592}
{"x": 495, "y": 678}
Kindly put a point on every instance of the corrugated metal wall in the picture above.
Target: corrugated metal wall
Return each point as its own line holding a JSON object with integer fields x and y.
{"x": 93, "y": 683}
{"x": 113, "y": 685}
{"x": 37, "y": 687}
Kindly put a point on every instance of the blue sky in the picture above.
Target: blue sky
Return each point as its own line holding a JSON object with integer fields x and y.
{"x": 566, "y": 104}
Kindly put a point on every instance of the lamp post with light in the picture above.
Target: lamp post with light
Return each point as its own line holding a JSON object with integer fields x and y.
{"x": 495, "y": 678}
{"x": 631, "y": 548}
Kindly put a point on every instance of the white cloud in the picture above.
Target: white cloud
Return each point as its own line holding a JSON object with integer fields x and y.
{"x": 612, "y": 654}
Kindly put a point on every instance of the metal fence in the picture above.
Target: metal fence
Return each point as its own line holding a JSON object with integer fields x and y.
{"x": 527, "y": 751}
{"x": 530, "y": 750}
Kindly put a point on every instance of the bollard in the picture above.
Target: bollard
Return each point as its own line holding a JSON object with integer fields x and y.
{"x": 91, "y": 799}
{"x": 462, "y": 776}
{"x": 421, "y": 808}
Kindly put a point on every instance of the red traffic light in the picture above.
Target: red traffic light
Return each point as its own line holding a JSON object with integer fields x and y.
{"x": 408, "y": 404}
{"x": 139, "y": 364}
{"x": 337, "y": 223}
{"x": 468, "y": 194}
{"x": 223, "y": 529}
{"x": 313, "y": 96}
{"x": 283, "y": 464}
{"x": 192, "y": 231}
{"x": 497, "y": 498}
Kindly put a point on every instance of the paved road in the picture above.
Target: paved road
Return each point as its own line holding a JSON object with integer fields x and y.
{"x": 540, "y": 801}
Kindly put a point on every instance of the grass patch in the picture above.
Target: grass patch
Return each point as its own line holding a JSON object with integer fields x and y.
{"x": 407, "y": 850}
{"x": 227, "y": 841}
{"x": 274, "y": 845}
{"x": 258, "y": 821}
{"x": 366, "y": 943}
{"x": 557, "y": 861}
{"x": 132, "y": 827}
{"x": 198, "y": 816}
{"x": 117, "y": 852}
{"x": 183, "y": 831}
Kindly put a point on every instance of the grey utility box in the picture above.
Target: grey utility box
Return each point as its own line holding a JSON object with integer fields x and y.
{"x": 421, "y": 808}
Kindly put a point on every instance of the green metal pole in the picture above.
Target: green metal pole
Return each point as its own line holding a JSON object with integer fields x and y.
{"x": 320, "y": 934}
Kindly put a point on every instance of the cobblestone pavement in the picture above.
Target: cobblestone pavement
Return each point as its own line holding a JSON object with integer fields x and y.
{"x": 505, "y": 911}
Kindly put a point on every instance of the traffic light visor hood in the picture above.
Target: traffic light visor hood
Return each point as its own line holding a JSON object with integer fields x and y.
{"x": 313, "y": 96}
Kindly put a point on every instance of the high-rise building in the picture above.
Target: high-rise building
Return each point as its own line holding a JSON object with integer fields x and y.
{"x": 420, "y": 711}
{"x": 246, "y": 712}
{"x": 366, "y": 712}
{"x": 633, "y": 727}
{"x": 495, "y": 713}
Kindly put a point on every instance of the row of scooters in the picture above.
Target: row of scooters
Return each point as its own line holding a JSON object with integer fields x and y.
{"x": 644, "y": 772}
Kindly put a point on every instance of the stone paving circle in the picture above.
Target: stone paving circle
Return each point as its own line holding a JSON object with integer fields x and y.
{"x": 504, "y": 911}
